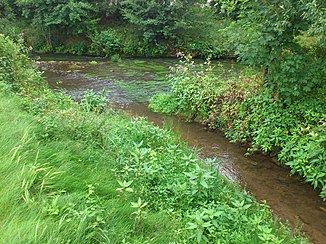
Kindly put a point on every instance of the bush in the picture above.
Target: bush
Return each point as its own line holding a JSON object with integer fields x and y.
{"x": 16, "y": 68}
{"x": 106, "y": 43}
{"x": 164, "y": 103}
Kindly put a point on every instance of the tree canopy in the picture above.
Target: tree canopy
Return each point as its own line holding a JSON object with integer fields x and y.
{"x": 269, "y": 34}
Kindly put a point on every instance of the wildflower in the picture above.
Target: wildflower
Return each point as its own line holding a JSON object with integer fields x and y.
{"x": 179, "y": 54}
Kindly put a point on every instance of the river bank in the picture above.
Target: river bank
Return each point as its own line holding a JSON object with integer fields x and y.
{"x": 84, "y": 173}
{"x": 286, "y": 198}
{"x": 289, "y": 198}
{"x": 132, "y": 81}
{"x": 250, "y": 113}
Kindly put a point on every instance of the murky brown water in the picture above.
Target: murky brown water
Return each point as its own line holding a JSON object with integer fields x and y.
{"x": 132, "y": 82}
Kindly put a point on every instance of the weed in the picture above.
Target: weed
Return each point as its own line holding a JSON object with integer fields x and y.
{"x": 140, "y": 214}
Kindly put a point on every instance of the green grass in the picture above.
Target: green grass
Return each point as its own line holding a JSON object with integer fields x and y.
{"x": 71, "y": 161}
{"x": 78, "y": 166}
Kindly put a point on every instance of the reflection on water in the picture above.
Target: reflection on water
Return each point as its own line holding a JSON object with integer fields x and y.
{"x": 133, "y": 81}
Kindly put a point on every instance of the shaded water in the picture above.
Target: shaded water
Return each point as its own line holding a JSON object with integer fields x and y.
{"x": 134, "y": 81}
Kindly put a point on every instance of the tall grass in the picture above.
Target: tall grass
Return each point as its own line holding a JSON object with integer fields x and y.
{"x": 64, "y": 172}
{"x": 71, "y": 173}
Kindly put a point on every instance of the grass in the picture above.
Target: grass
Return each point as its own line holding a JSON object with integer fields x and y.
{"x": 60, "y": 172}
{"x": 76, "y": 168}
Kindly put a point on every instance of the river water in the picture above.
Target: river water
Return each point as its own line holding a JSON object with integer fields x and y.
{"x": 130, "y": 83}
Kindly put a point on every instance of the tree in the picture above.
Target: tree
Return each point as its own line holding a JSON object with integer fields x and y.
{"x": 270, "y": 34}
{"x": 6, "y": 10}
{"x": 107, "y": 8}
{"x": 158, "y": 20}
{"x": 70, "y": 16}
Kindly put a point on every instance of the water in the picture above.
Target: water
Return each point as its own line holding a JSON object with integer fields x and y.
{"x": 132, "y": 82}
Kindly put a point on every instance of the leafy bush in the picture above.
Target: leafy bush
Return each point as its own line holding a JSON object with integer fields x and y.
{"x": 77, "y": 48}
{"x": 116, "y": 58}
{"x": 157, "y": 20}
{"x": 106, "y": 43}
{"x": 266, "y": 36}
{"x": 164, "y": 103}
{"x": 249, "y": 113}
{"x": 204, "y": 48}
{"x": 16, "y": 68}
{"x": 93, "y": 102}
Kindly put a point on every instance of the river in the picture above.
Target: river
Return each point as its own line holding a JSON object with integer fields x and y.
{"x": 129, "y": 85}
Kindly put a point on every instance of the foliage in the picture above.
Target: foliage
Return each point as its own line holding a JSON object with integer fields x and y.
{"x": 156, "y": 19}
{"x": 145, "y": 28}
{"x": 248, "y": 113}
{"x": 204, "y": 36}
{"x": 268, "y": 40}
{"x": 106, "y": 43}
{"x": 93, "y": 102}
{"x": 6, "y": 9}
{"x": 71, "y": 46}
{"x": 163, "y": 103}
{"x": 69, "y": 16}
{"x": 136, "y": 47}
{"x": 116, "y": 58}
{"x": 108, "y": 8}
{"x": 13, "y": 57}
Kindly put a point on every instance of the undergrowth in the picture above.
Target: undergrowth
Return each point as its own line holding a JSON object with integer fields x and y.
{"x": 250, "y": 113}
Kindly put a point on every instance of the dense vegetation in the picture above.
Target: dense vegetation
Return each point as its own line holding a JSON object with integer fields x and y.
{"x": 103, "y": 27}
{"x": 280, "y": 110}
{"x": 84, "y": 173}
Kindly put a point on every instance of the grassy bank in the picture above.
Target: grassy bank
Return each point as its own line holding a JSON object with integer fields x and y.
{"x": 83, "y": 173}
{"x": 252, "y": 114}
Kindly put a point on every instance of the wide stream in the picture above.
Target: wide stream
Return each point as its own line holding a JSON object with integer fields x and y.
{"x": 130, "y": 83}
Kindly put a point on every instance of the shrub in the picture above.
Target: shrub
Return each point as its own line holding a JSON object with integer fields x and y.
{"x": 164, "y": 103}
{"x": 116, "y": 58}
{"x": 106, "y": 43}
{"x": 16, "y": 68}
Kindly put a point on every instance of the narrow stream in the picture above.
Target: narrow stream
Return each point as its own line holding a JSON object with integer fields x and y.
{"x": 130, "y": 83}
{"x": 288, "y": 197}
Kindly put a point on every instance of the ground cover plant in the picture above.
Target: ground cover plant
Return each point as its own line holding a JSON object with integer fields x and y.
{"x": 252, "y": 114}
{"x": 84, "y": 173}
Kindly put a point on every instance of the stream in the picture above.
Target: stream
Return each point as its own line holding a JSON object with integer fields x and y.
{"x": 129, "y": 85}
